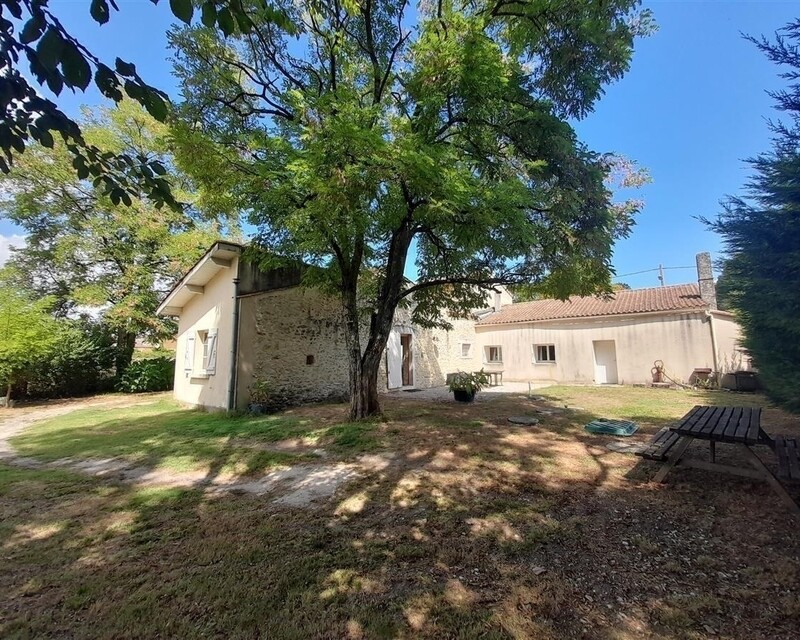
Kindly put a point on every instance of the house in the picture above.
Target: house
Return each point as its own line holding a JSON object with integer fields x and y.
{"x": 615, "y": 340}
{"x": 238, "y": 324}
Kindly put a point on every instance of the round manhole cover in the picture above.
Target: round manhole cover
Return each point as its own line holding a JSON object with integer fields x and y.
{"x": 523, "y": 420}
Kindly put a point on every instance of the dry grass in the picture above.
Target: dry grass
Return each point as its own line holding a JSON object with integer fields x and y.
{"x": 447, "y": 540}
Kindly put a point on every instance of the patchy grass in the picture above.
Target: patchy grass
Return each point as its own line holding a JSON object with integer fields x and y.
{"x": 161, "y": 435}
{"x": 473, "y": 528}
{"x": 650, "y": 406}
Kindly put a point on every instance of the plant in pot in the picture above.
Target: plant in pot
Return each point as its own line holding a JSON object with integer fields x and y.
{"x": 259, "y": 396}
{"x": 465, "y": 385}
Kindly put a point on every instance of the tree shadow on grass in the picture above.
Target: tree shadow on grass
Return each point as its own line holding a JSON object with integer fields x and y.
{"x": 436, "y": 546}
{"x": 473, "y": 527}
{"x": 165, "y": 437}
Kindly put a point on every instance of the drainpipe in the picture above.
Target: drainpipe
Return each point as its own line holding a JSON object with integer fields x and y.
{"x": 234, "y": 374}
{"x": 714, "y": 349}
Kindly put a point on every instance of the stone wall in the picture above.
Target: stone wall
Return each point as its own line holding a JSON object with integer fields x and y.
{"x": 437, "y": 352}
{"x": 448, "y": 347}
{"x": 294, "y": 339}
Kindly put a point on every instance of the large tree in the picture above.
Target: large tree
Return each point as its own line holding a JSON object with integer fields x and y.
{"x": 761, "y": 231}
{"x": 88, "y": 248}
{"x": 360, "y": 134}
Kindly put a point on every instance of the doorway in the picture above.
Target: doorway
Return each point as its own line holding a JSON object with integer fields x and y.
{"x": 605, "y": 362}
{"x": 399, "y": 359}
{"x": 408, "y": 371}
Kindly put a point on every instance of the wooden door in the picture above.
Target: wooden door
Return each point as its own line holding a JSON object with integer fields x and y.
{"x": 408, "y": 372}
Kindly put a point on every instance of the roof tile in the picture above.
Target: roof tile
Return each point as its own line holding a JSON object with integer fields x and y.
{"x": 672, "y": 298}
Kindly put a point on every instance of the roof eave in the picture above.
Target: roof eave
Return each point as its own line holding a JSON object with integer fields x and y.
{"x": 167, "y": 308}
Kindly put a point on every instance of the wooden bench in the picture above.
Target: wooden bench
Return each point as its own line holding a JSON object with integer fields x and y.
{"x": 660, "y": 445}
{"x": 788, "y": 454}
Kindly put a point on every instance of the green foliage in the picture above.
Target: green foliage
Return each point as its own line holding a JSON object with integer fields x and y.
{"x": 260, "y": 391}
{"x": 149, "y": 374}
{"x": 28, "y": 335}
{"x": 47, "y": 357}
{"x": 79, "y": 363}
{"x": 32, "y": 35}
{"x": 761, "y": 231}
{"x": 469, "y": 382}
{"x": 84, "y": 249}
{"x": 365, "y": 134}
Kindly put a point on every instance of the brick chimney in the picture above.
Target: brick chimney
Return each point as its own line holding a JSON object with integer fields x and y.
{"x": 705, "y": 278}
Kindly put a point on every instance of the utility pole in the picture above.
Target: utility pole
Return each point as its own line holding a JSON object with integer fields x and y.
{"x": 661, "y": 274}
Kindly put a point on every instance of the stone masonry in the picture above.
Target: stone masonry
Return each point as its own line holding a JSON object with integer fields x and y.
{"x": 294, "y": 339}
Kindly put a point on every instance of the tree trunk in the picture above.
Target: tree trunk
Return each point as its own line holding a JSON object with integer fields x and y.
{"x": 126, "y": 341}
{"x": 8, "y": 396}
{"x": 364, "y": 367}
{"x": 364, "y": 383}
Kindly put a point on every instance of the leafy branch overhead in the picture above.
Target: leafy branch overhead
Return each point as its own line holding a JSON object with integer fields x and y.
{"x": 32, "y": 35}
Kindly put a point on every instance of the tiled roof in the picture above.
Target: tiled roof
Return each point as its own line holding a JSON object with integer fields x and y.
{"x": 679, "y": 297}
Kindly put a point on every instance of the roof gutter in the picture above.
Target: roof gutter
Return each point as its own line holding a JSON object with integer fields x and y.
{"x": 233, "y": 378}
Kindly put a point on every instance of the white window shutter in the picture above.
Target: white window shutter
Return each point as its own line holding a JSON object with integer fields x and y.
{"x": 188, "y": 356}
{"x": 211, "y": 361}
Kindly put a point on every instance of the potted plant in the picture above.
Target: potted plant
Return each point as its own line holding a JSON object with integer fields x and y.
{"x": 465, "y": 385}
{"x": 259, "y": 396}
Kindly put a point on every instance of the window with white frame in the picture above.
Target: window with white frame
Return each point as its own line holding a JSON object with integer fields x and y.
{"x": 466, "y": 349}
{"x": 493, "y": 354}
{"x": 544, "y": 353}
{"x": 200, "y": 359}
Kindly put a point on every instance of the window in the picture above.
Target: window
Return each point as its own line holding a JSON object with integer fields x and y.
{"x": 466, "y": 349}
{"x": 202, "y": 338}
{"x": 543, "y": 353}
{"x": 200, "y": 359}
{"x": 494, "y": 354}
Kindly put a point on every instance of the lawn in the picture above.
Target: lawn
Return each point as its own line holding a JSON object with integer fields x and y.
{"x": 473, "y": 528}
{"x": 161, "y": 435}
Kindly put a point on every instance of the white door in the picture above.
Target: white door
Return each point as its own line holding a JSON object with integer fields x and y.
{"x": 394, "y": 360}
{"x": 605, "y": 362}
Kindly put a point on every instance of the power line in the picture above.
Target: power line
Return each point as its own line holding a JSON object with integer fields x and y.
{"x": 636, "y": 273}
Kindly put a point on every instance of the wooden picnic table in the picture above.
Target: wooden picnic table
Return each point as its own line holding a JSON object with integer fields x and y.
{"x": 739, "y": 426}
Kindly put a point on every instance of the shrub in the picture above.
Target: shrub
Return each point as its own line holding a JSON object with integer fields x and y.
{"x": 468, "y": 382}
{"x": 150, "y": 374}
{"x": 79, "y": 362}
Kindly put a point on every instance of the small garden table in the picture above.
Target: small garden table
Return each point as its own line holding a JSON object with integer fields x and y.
{"x": 495, "y": 377}
{"x": 739, "y": 426}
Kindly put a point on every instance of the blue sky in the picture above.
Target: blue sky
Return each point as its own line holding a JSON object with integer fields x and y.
{"x": 691, "y": 109}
